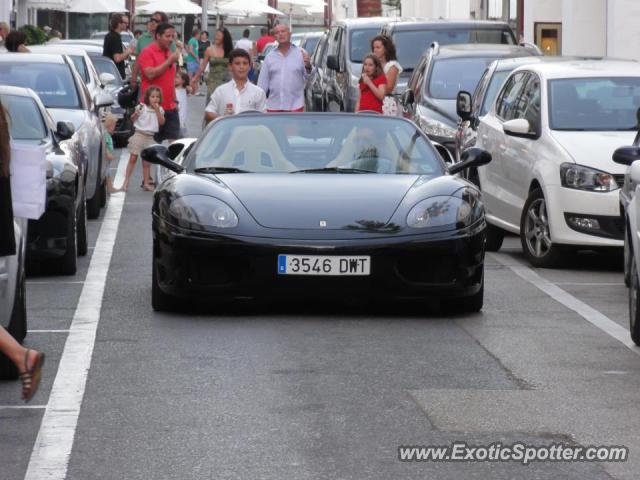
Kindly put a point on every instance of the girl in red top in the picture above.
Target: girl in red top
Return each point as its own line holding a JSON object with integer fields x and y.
{"x": 372, "y": 85}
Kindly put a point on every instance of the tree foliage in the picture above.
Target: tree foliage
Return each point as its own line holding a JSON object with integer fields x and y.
{"x": 394, "y": 4}
{"x": 35, "y": 35}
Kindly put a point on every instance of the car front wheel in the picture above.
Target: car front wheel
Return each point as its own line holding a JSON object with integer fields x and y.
{"x": 535, "y": 234}
{"x": 160, "y": 301}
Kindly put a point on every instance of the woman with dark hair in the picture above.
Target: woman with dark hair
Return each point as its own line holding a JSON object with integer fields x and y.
{"x": 16, "y": 41}
{"x": 382, "y": 47}
{"x": 28, "y": 362}
{"x": 112, "y": 46}
{"x": 217, "y": 56}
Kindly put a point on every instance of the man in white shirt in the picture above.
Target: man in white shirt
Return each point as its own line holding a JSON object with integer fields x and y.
{"x": 239, "y": 94}
{"x": 245, "y": 43}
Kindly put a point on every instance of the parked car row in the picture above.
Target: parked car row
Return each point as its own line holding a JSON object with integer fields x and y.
{"x": 55, "y": 97}
{"x": 338, "y": 55}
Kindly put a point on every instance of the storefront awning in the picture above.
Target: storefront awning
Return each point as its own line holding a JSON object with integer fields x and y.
{"x": 48, "y": 4}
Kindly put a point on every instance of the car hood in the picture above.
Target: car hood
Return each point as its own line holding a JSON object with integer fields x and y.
{"x": 302, "y": 201}
{"x": 77, "y": 117}
{"x": 594, "y": 149}
{"x": 446, "y": 109}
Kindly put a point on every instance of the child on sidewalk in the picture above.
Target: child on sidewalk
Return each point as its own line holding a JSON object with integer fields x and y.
{"x": 147, "y": 119}
{"x": 183, "y": 88}
{"x": 109, "y": 123}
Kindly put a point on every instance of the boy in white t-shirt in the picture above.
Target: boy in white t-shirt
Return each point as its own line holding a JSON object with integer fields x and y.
{"x": 147, "y": 120}
{"x": 239, "y": 94}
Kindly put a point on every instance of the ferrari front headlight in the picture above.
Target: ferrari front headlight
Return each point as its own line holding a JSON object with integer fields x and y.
{"x": 458, "y": 211}
{"x": 203, "y": 210}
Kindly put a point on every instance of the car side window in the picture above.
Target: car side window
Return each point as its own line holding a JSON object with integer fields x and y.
{"x": 530, "y": 99}
{"x": 478, "y": 95}
{"x": 508, "y": 97}
{"x": 334, "y": 41}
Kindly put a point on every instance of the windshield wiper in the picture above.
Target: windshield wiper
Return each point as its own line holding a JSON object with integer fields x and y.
{"x": 334, "y": 170}
{"x": 220, "y": 170}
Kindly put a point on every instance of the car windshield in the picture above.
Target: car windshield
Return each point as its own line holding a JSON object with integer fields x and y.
{"x": 492, "y": 90}
{"x": 594, "y": 103}
{"x": 411, "y": 44}
{"x": 314, "y": 144}
{"x": 106, "y": 65}
{"x": 25, "y": 120}
{"x": 360, "y": 41}
{"x": 451, "y": 75}
{"x": 53, "y": 82}
{"x": 310, "y": 44}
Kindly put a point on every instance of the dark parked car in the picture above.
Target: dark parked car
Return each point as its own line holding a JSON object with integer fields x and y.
{"x": 430, "y": 98}
{"x": 56, "y": 81}
{"x": 60, "y": 234}
{"x": 297, "y": 205}
{"x": 413, "y": 37}
{"x": 313, "y": 89}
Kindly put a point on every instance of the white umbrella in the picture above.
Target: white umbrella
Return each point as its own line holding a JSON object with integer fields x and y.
{"x": 317, "y": 8}
{"x": 179, "y": 7}
{"x": 96, "y": 6}
{"x": 250, "y": 7}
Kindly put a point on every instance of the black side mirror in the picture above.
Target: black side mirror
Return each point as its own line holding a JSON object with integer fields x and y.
{"x": 174, "y": 150}
{"x": 407, "y": 97}
{"x": 463, "y": 106}
{"x": 65, "y": 130}
{"x": 471, "y": 157}
{"x": 626, "y": 155}
{"x": 159, "y": 155}
{"x": 333, "y": 63}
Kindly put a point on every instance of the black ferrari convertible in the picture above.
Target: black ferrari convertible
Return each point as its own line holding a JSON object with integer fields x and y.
{"x": 298, "y": 205}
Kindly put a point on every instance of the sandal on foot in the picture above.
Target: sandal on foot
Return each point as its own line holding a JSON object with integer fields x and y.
{"x": 148, "y": 188}
{"x": 30, "y": 378}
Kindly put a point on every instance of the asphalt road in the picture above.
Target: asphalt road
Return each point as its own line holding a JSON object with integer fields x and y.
{"x": 317, "y": 391}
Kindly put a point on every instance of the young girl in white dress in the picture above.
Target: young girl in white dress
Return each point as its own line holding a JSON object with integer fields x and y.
{"x": 383, "y": 47}
{"x": 147, "y": 120}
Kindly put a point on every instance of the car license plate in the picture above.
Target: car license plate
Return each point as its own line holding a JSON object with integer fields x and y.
{"x": 323, "y": 265}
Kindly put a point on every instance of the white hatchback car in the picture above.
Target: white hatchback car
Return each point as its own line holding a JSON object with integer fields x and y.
{"x": 551, "y": 132}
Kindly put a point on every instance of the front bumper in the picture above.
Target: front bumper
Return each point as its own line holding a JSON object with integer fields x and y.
{"x": 227, "y": 267}
{"x": 47, "y": 236}
{"x": 605, "y": 207}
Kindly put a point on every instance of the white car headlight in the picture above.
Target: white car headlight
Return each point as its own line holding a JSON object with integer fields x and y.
{"x": 203, "y": 210}
{"x": 585, "y": 178}
{"x": 440, "y": 211}
{"x": 435, "y": 128}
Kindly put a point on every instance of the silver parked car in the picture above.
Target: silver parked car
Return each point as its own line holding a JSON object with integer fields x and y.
{"x": 55, "y": 79}
{"x": 13, "y": 305}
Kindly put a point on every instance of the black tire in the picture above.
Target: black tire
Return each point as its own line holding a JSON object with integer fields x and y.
{"x": 495, "y": 237}
{"x": 82, "y": 241}
{"x": 535, "y": 235}
{"x": 634, "y": 303}
{"x": 68, "y": 263}
{"x": 17, "y": 327}
{"x": 627, "y": 257}
{"x": 93, "y": 204}
{"x": 103, "y": 194}
{"x": 160, "y": 301}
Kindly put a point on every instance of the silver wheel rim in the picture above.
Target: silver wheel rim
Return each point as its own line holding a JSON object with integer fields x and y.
{"x": 536, "y": 229}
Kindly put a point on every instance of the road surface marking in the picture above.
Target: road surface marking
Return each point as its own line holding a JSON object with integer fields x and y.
{"x": 49, "y": 331}
{"x": 22, "y": 407}
{"x": 52, "y": 449}
{"x": 587, "y": 312}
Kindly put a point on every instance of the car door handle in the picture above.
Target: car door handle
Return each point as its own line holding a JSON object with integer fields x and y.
{"x": 502, "y": 147}
{"x": 484, "y": 136}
